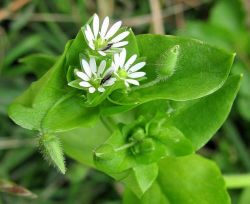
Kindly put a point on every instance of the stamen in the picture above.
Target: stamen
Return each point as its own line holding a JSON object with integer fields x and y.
{"x": 106, "y": 78}
{"x": 107, "y": 47}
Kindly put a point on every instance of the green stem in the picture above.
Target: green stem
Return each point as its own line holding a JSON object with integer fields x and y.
{"x": 237, "y": 181}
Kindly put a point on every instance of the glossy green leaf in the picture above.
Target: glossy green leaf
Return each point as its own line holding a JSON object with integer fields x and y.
{"x": 78, "y": 46}
{"x": 50, "y": 104}
{"x": 192, "y": 179}
{"x": 68, "y": 113}
{"x": 185, "y": 180}
{"x": 80, "y": 143}
{"x": 141, "y": 178}
{"x": 201, "y": 118}
{"x": 29, "y": 109}
{"x": 203, "y": 67}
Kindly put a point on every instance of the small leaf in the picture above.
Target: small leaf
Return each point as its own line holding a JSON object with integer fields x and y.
{"x": 207, "y": 114}
{"x": 204, "y": 73}
{"x": 184, "y": 180}
{"x": 141, "y": 178}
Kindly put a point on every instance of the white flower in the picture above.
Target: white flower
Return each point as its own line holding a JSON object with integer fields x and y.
{"x": 103, "y": 40}
{"x": 126, "y": 70}
{"x": 94, "y": 78}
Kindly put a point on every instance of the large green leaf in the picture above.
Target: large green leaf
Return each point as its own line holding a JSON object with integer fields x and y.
{"x": 50, "y": 104}
{"x": 29, "y": 109}
{"x": 80, "y": 143}
{"x": 199, "y": 70}
{"x": 201, "y": 118}
{"x": 185, "y": 180}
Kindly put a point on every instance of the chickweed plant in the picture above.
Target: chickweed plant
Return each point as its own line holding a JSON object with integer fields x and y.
{"x": 136, "y": 107}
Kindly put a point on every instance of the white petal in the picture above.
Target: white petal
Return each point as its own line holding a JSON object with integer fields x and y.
{"x": 95, "y": 25}
{"x": 91, "y": 89}
{"x": 102, "y": 53}
{"x": 101, "y": 67}
{"x": 122, "y": 57}
{"x": 115, "y": 67}
{"x": 113, "y": 30}
{"x": 116, "y": 60}
{"x": 110, "y": 82}
{"x": 136, "y": 75}
{"x": 132, "y": 81}
{"x": 109, "y": 70}
{"x": 126, "y": 83}
{"x": 101, "y": 89}
{"x": 82, "y": 76}
{"x": 130, "y": 62}
{"x": 92, "y": 64}
{"x": 85, "y": 84}
{"x": 91, "y": 45}
{"x": 88, "y": 36}
{"x": 137, "y": 66}
{"x": 90, "y": 33}
{"x": 105, "y": 26}
{"x": 120, "y": 37}
{"x": 86, "y": 67}
{"x": 120, "y": 44}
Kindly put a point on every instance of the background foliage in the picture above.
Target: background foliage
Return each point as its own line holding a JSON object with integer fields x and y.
{"x": 31, "y": 27}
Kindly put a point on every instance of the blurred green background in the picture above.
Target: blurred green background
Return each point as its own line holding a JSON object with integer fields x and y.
{"x": 42, "y": 28}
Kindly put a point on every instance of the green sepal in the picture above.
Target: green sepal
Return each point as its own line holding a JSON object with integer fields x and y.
{"x": 50, "y": 147}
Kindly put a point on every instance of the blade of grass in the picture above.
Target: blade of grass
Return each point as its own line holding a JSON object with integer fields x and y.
{"x": 233, "y": 135}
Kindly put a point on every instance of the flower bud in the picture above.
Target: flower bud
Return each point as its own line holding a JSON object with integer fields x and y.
{"x": 138, "y": 134}
{"x": 167, "y": 63}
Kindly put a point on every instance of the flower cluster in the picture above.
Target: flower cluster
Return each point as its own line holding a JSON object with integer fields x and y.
{"x": 108, "y": 41}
